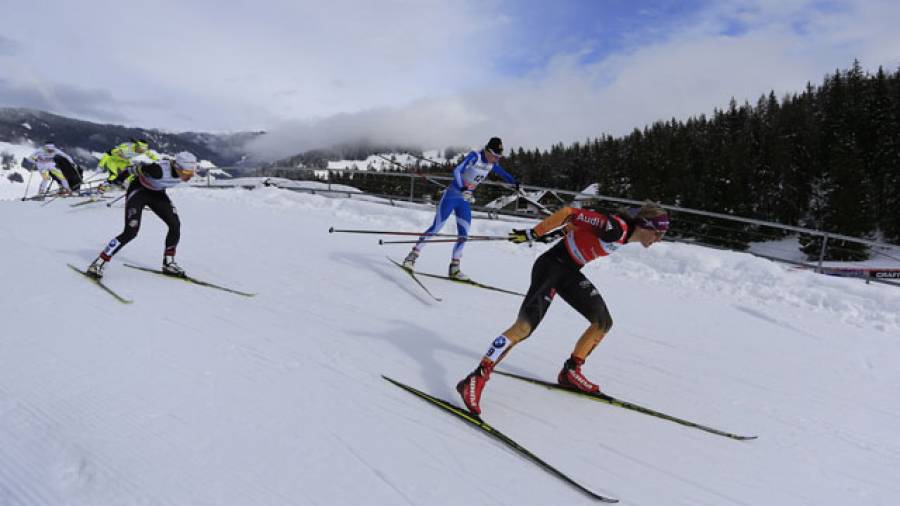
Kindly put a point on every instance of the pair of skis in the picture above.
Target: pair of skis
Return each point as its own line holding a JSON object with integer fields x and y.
{"x": 414, "y": 275}
{"x": 186, "y": 278}
{"x": 478, "y": 423}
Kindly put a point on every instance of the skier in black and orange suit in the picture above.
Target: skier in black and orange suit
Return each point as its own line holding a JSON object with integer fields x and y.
{"x": 588, "y": 235}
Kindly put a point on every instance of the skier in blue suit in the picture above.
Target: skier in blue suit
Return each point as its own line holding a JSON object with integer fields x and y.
{"x": 458, "y": 199}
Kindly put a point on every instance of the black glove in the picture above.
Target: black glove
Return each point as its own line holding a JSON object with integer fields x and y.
{"x": 549, "y": 237}
{"x": 520, "y": 236}
{"x": 518, "y": 187}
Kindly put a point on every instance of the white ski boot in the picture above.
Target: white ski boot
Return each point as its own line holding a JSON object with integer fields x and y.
{"x": 171, "y": 268}
{"x": 95, "y": 270}
{"x": 410, "y": 261}
{"x": 455, "y": 273}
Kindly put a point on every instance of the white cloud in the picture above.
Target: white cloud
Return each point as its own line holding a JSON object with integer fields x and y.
{"x": 778, "y": 46}
{"x": 414, "y": 71}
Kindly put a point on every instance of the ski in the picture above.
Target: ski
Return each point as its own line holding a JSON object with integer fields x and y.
{"x": 412, "y": 274}
{"x": 99, "y": 283}
{"x": 601, "y": 397}
{"x": 192, "y": 280}
{"x": 476, "y": 422}
{"x": 470, "y": 283}
{"x": 90, "y": 200}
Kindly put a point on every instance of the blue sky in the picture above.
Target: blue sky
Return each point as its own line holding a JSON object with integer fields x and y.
{"x": 431, "y": 72}
{"x": 538, "y": 30}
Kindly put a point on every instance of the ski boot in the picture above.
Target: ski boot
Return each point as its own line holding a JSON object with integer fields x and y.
{"x": 171, "y": 268}
{"x": 410, "y": 261}
{"x": 454, "y": 273}
{"x": 95, "y": 270}
{"x": 471, "y": 386}
{"x": 570, "y": 377}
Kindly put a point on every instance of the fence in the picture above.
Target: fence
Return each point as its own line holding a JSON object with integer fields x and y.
{"x": 810, "y": 251}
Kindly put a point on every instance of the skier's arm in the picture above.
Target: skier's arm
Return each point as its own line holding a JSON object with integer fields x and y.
{"x": 554, "y": 221}
{"x": 545, "y": 231}
{"x": 505, "y": 175}
{"x": 151, "y": 170}
{"x": 457, "y": 172}
{"x": 613, "y": 229}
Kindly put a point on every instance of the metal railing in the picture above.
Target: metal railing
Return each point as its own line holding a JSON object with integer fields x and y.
{"x": 425, "y": 189}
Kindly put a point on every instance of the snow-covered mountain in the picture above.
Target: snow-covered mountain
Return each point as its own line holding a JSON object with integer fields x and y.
{"x": 21, "y": 126}
{"x": 195, "y": 396}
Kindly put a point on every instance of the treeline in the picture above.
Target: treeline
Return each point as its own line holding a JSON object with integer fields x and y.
{"x": 827, "y": 158}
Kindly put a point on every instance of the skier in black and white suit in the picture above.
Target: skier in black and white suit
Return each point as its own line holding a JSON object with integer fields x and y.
{"x": 151, "y": 179}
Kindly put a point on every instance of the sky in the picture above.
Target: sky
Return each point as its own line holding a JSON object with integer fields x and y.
{"x": 428, "y": 72}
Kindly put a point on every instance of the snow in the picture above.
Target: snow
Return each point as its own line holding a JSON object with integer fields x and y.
{"x": 195, "y": 396}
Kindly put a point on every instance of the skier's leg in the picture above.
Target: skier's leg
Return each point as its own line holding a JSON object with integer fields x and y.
{"x": 163, "y": 208}
{"x": 583, "y": 296}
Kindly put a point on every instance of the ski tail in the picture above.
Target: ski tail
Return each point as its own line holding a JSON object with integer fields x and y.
{"x": 601, "y": 397}
{"x": 99, "y": 283}
{"x": 476, "y": 422}
{"x": 418, "y": 281}
{"x": 189, "y": 279}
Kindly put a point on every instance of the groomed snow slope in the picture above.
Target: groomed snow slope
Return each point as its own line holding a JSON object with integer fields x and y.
{"x": 192, "y": 396}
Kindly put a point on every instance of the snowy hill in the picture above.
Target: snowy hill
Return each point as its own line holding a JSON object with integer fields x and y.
{"x": 79, "y": 138}
{"x": 195, "y": 396}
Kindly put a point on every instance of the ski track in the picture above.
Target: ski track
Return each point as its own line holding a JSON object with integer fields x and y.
{"x": 196, "y": 396}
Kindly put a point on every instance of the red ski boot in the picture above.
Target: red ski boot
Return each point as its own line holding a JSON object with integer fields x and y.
{"x": 571, "y": 376}
{"x": 470, "y": 388}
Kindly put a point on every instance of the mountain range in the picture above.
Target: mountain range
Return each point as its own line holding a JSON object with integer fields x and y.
{"x": 80, "y": 138}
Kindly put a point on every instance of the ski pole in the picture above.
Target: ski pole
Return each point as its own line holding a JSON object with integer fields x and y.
{"x": 423, "y": 158}
{"x": 416, "y": 172}
{"x": 461, "y": 239}
{"x": 58, "y": 195}
{"x": 30, "y": 173}
{"x": 113, "y": 201}
{"x": 416, "y": 234}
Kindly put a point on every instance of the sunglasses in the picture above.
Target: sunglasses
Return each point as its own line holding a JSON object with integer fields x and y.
{"x": 498, "y": 153}
{"x": 659, "y": 225}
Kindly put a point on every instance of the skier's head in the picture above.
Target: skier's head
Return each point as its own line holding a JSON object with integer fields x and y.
{"x": 494, "y": 149}
{"x": 186, "y": 165}
{"x": 140, "y": 145}
{"x": 49, "y": 145}
{"x": 651, "y": 222}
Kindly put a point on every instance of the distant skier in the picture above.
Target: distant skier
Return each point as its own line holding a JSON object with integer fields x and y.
{"x": 458, "y": 198}
{"x": 116, "y": 172}
{"x": 121, "y": 158}
{"x": 55, "y": 165}
{"x": 588, "y": 235}
{"x": 152, "y": 178}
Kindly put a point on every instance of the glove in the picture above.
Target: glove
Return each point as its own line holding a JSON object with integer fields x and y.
{"x": 468, "y": 196}
{"x": 520, "y": 236}
{"x": 518, "y": 187}
{"x": 549, "y": 237}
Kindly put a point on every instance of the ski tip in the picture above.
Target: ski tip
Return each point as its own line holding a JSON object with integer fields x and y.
{"x": 330, "y": 230}
{"x": 381, "y": 242}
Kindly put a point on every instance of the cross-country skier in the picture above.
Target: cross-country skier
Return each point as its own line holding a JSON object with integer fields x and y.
{"x": 457, "y": 199}
{"x": 116, "y": 170}
{"x": 121, "y": 157}
{"x": 588, "y": 235}
{"x": 51, "y": 162}
{"x": 152, "y": 178}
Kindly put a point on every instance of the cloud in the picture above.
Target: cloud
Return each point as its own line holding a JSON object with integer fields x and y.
{"x": 63, "y": 99}
{"x": 779, "y": 46}
{"x": 428, "y": 72}
{"x": 8, "y": 46}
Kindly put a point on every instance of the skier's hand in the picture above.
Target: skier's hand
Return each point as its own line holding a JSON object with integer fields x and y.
{"x": 520, "y": 236}
{"x": 549, "y": 237}
{"x": 468, "y": 196}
